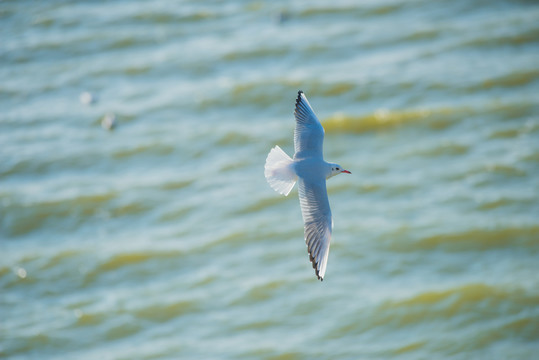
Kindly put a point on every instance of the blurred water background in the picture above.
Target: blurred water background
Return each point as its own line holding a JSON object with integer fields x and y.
{"x": 161, "y": 238}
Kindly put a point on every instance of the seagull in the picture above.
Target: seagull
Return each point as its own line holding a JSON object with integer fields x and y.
{"x": 310, "y": 171}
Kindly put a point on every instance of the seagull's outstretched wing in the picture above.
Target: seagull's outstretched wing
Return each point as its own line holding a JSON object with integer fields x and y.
{"x": 316, "y": 212}
{"x": 309, "y": 133}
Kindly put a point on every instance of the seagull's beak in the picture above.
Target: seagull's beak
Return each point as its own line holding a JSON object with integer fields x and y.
{"x": 346, "y": 172}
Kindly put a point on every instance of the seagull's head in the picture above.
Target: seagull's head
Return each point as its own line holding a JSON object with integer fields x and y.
{"x": 337, "y": 169}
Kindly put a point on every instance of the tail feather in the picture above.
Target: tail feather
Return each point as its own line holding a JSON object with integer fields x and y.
{"x": 279, "y": 171}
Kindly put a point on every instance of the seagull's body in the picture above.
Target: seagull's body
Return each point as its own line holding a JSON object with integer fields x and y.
{"x": 309, "y": 169}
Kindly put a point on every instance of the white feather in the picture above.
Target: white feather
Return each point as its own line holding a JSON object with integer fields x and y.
{"x": 279, "y": 171}
{"x": 318, "y": 221}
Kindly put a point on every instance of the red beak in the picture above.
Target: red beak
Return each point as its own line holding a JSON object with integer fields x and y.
{"x": 346, "y": 172}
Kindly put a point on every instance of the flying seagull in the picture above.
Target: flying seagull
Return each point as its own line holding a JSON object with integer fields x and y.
{"x": 309, "y": 169}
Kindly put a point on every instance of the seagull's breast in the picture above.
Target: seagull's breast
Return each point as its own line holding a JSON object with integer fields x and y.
{"x": 311, "y": 168}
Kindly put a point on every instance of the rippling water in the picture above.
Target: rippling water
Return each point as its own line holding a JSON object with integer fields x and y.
{"x": 161, "y": 239}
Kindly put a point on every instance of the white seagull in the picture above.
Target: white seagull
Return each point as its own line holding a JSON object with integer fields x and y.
{"x": 311, "y": 171}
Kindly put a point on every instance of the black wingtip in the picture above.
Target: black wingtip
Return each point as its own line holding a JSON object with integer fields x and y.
{"x": 298, "y": 99}
{"x": 315, "y": 265}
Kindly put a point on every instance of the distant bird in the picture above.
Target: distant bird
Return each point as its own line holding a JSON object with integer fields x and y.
{"x": 310, "y": 170}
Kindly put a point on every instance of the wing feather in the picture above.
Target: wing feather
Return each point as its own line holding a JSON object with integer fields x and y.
{"x": 309, "y": 133}
{"x": 317, "y": 220}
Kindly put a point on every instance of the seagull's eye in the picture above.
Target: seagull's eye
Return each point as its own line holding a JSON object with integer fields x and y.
{"x": 338, "y": 169}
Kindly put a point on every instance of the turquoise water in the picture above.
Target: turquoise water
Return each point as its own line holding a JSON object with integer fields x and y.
{"x": 161, "y": 239}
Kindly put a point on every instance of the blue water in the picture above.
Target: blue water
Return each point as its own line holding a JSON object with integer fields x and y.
{"x": 160, "y": 238}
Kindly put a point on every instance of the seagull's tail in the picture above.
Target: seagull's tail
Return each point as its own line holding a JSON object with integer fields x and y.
{"x": 279, "y": 171}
